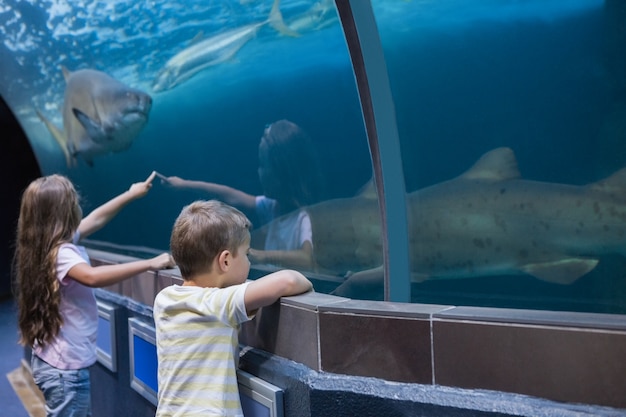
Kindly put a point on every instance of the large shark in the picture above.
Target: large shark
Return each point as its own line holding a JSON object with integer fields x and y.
{"x": 214, "y": 50}
{"x": 100, "y": 115}
{"x": 486, "y": 222}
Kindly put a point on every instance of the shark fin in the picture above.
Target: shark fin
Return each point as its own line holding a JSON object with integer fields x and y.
{"x": 93, "y": 128}
{"x": 59, "y": 136}
{"x": 616, "y": 183}
{"x": 66, "y": 72}
{"x": 276, "y": 21}
{"x": 199, "y": 36}
{"x": 564, "y": 271}
{"x": 368, "y": 190}
{"x": 497, "y": 165}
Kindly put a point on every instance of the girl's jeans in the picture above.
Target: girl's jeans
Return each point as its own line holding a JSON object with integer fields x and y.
{"x": 67, "y": 392}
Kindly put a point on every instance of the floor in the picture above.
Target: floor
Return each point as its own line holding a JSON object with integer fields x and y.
{"x": 11, "y": 354}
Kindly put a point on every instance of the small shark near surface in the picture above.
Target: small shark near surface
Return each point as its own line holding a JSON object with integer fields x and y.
{"x": 319, "y": 16}
{"x": 100, "y": 115}
{"x": 213, "y": 51}
{"x": 486, "y": 222}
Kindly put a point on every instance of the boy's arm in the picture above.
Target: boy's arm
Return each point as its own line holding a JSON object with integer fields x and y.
{"x": 103, "y": 214}
{"x": 104, "y": 275}
{"x": 268, "y": 289}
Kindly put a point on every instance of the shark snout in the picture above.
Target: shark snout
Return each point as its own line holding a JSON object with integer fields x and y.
{"x": 136, "y": 109}
{"x": 144, "y": 102}
{"x": 138, "y": 103}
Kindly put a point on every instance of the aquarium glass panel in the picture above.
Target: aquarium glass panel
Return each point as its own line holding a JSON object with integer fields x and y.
{"x": 512, "y": 123}
{"x": 206, "y": 92}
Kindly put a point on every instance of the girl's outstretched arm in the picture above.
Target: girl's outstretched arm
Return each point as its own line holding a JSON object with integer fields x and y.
{"x": 104, "y": 275}
{"x": 103, "y": 214}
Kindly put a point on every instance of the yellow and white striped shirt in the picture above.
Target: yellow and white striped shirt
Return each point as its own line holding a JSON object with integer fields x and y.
{"x": 197, "y": 349}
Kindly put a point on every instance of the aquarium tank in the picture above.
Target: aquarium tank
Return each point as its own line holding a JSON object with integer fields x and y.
{"x": 509, "y": 118}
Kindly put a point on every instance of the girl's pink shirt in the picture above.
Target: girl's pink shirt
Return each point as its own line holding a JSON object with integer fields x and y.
{"x": 75, "y": 345}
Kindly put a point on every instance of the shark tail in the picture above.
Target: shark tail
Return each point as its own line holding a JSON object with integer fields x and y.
{"x": 59, "y": 137}
{"x": 276, "y": 21}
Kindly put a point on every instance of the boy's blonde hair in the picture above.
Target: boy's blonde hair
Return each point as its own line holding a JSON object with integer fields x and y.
{"x": 202, "y": 230}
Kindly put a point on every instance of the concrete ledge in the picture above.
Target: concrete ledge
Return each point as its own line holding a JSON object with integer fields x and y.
{"x": 312, "y": 393}
{"x": 561, "y": 356}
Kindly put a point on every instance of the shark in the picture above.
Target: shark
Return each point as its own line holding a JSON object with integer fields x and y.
{"x": 319, "y": 16}
{"x": 211, "y": 51}
{"x": 488, "y": 221}
{"x": 101, "y": 115}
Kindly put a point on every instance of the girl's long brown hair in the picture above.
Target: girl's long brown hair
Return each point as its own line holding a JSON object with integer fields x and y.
{"x": 49, "y": 216}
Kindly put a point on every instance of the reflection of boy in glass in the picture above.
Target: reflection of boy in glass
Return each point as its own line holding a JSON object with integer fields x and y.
{"x": 289, "y": 174}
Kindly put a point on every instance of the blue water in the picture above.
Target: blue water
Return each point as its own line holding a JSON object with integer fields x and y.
{"x": 530, "y": 75}
{"x": 206, "y": 128}
{"x": 544, "y": 77}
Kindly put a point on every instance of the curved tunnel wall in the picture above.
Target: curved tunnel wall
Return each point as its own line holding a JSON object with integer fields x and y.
{"x": 438, "y": 332}
{"x": 18, "y": 167}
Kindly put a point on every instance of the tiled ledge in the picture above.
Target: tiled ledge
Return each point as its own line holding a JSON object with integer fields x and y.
{"x": 568, "y": 357}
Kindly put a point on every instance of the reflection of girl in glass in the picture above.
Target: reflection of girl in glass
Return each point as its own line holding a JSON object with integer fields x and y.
{"x": 290, "y": 177}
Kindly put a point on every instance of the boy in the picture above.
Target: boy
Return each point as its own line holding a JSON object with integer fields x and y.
{"x": 197, "y": 323}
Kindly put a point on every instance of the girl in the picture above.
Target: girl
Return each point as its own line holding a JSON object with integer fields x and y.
{"x": 291, "y": 179}
{"x": 58, "y": 316}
